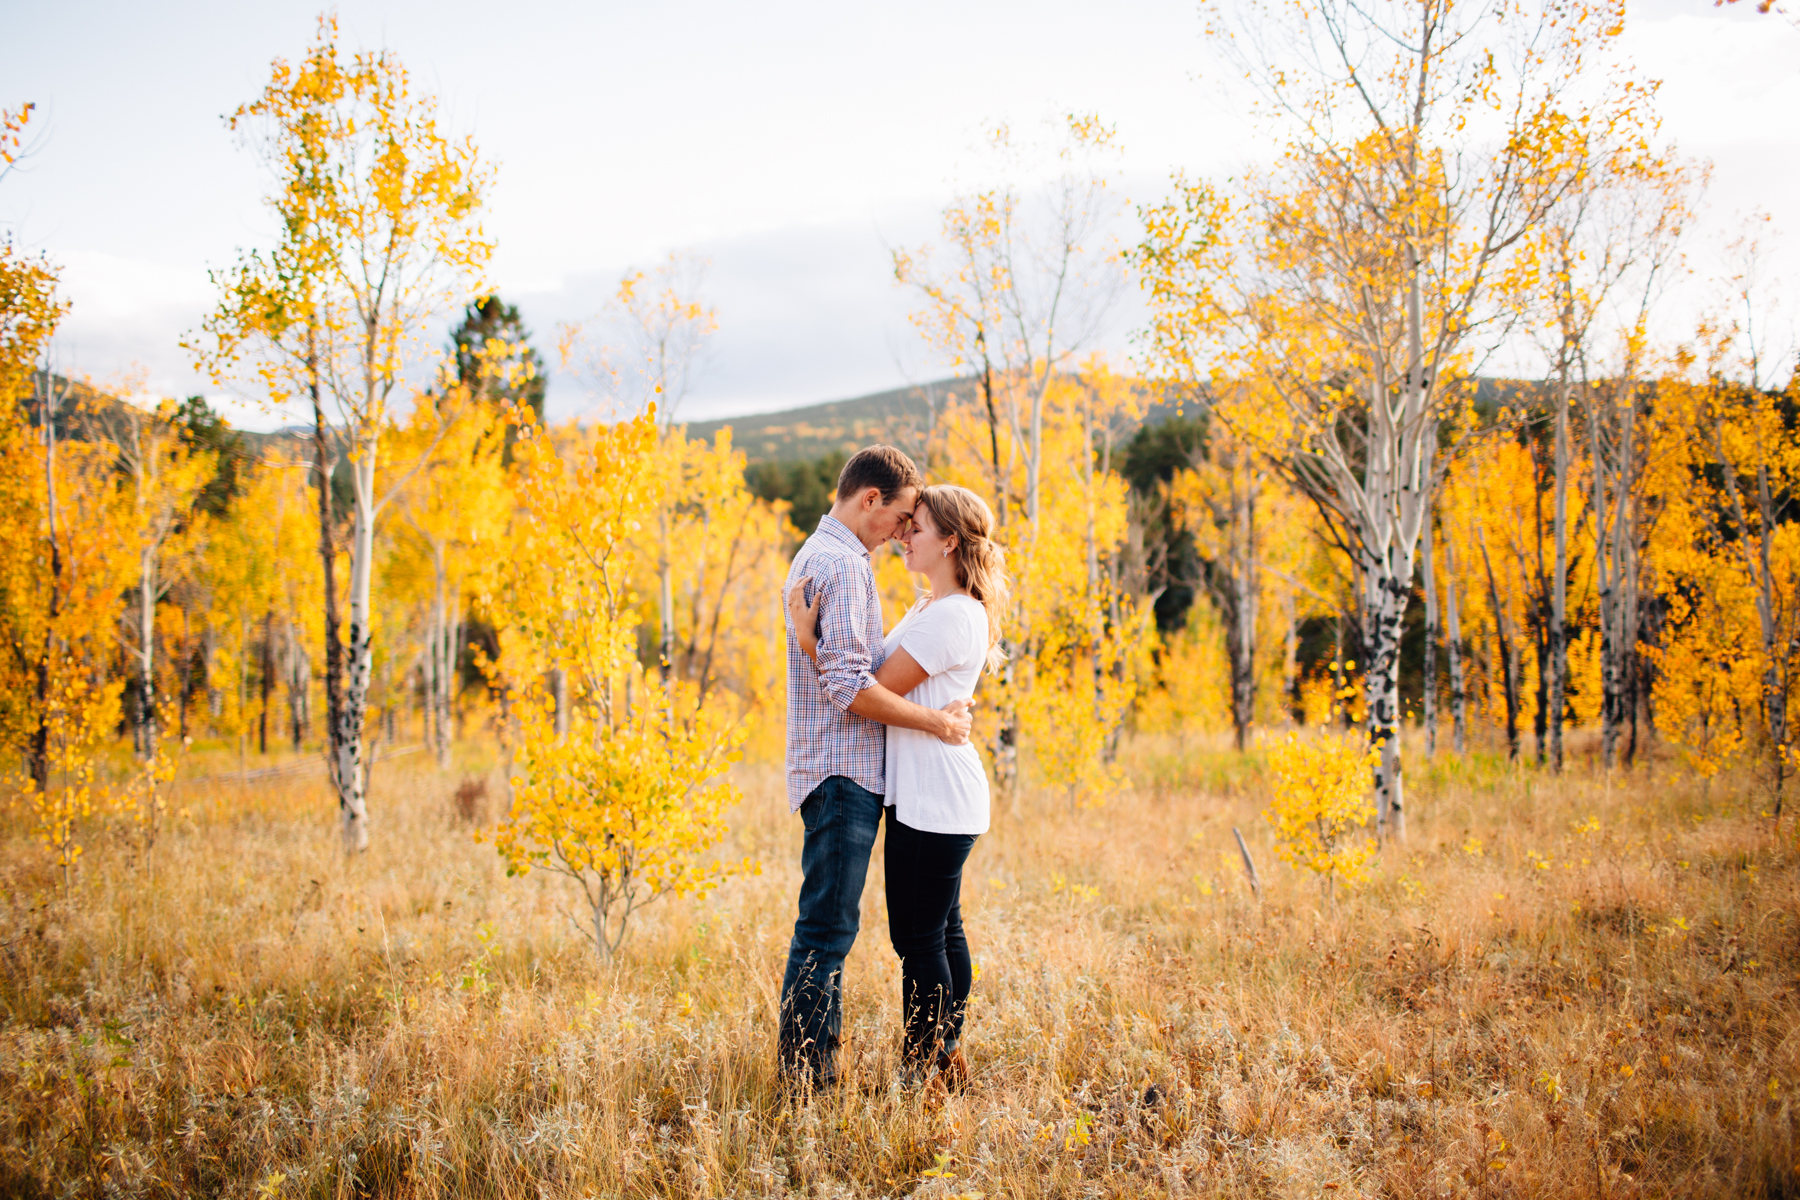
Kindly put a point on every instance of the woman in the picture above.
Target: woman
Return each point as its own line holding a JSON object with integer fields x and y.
{"x": 937, "y": 794}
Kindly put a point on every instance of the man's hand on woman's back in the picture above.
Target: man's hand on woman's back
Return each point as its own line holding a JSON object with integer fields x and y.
{"x": 962, "y": 719}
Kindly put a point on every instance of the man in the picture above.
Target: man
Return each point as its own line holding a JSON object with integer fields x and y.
{"x": 836, "y": 746}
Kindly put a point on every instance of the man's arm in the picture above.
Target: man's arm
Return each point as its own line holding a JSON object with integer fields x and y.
{"x": 844, "y": 658}
{"x": 949, "y": 724}
{"x": 886, "y": 701}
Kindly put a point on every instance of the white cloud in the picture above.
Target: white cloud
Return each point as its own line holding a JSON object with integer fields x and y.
{"x": 788, "y": 142}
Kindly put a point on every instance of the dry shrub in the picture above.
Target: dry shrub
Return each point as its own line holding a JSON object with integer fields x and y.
{"x": 1576, "y": 987}
{"x": 469, "y": 800}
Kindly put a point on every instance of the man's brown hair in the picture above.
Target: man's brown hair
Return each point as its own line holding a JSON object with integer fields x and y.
{"x": 878, "y": 467}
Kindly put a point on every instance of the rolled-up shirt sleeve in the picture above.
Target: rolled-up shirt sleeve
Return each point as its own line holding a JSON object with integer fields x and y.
{"x": 846, "y": 660}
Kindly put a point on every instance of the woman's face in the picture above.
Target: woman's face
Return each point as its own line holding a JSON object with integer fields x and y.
{"x": 924, "y": 544}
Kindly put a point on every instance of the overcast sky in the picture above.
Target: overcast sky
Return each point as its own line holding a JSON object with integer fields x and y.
{"x": 788, "y": 143}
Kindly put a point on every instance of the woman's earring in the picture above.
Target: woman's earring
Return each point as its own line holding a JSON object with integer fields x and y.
{"x": 946, "y": 552}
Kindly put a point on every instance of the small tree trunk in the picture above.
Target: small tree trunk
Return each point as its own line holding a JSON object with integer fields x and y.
{"x": 266, "y": 684}
{"x": 1428, "y": 696}
{"x": 1559, "y": 583}
{"x": 1537, "y": 616}
{"x": 1290, "y": 657}
{"x": 1385, "y": 607}
{"x": 1244, "y": 583}
{"x": 1614, "y": 538}
{"x": 1541, "y": 710}
{"x": 1338, "y": 669}
{"x": 38, "y": 753}
{"x": 665, "y": 652}
{"x": 298, "y": 674}
{"x": 1096, "y": 618}
{"x": 559, "y": 692}
{"x": 1508, "y": 654}
{"x": 359, "y": 659}
{"x": 442, "y": 657}
{"x": 1453, "y": 644}
{"x": 337, "y": 755}
{"x": 146, "y": 615}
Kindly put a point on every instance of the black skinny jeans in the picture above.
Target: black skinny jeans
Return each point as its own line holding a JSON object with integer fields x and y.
{"x": 924, "y": 890}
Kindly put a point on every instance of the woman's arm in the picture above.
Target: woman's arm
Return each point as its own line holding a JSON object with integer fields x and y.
{"x": 901, "y": 673}
{"x": 805, "y": 616}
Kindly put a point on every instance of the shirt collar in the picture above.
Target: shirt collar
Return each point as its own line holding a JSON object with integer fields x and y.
{"x": 832, "y": 527}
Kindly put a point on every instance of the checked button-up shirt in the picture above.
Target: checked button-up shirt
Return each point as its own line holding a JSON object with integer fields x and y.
{"x": 823, "y": 737}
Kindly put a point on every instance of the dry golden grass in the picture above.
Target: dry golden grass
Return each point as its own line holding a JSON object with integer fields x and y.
{"x": 1566, "y": 987}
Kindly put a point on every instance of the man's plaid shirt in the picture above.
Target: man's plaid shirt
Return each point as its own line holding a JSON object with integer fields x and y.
{"x": 823, "y": 737}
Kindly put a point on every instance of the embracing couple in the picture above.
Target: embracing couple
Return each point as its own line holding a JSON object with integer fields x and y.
{"x": 879, "y": 725}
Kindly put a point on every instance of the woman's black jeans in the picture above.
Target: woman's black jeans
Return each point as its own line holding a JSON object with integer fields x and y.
{"x": 924, "y": 892}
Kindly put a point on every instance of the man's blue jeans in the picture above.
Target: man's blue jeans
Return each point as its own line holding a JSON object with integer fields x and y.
{"x": 841, "y": 819}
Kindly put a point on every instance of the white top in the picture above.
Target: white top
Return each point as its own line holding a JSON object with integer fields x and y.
{"x": 934, "y": 787}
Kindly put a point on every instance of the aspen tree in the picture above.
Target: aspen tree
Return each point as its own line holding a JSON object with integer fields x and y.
{"x": 163, "y": 480}
{"x": 454, "y": 513}
{"x": 261, "y": 570}
{"x": 1453, "y": 647}
{"x": 1018, "y": 286}
{"x": 1021, "y": 284}
{"x": 645, "y": 350}
{"x": 29, "y": 314}
{"x": 1605, "y": 248}
{"x": 29, "y": 309}
{"x": 1355, "y": 276}
{"x": 62, "y": 569}
{"x": 379, "y": 238}
{"x": 1220, "y": 500}
{"x": 625, "y": 804}
{"x": 1744, "y": 452}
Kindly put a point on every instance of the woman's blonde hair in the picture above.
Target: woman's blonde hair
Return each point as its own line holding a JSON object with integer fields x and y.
{"x": 980, "y": 562}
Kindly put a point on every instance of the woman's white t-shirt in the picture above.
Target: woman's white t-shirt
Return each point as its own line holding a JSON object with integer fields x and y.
{"x": 935, "y": 787}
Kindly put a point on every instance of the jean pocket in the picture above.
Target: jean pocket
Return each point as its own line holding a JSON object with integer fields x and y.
{"x": 815, "y": 808}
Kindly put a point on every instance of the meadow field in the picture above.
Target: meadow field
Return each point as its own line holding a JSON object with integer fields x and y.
{"x": 1580, "y": 986}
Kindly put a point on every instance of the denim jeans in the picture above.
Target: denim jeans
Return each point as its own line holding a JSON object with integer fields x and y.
{"x": 924, "y": 891}
{"x": 841, "y": 819}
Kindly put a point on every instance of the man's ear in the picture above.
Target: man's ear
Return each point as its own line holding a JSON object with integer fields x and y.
{"x": 872, "y": 499}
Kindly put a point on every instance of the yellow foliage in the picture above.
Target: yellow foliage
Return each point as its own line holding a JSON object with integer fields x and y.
{"x": 1069, "y": 713}
{"x": 262, "y": 568}
{"x": 62, "y": 570}
{"x": 1319, "y": 797}
{"x": 719, "y": 548}
{"x": 1191, "y": 687}
{"x": 624, "y": 810}
{"x": 626, "y": 799}
{"x": 77, "y": 720}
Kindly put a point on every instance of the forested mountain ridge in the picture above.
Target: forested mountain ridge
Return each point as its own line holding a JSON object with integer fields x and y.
{"x": 899, "y": 417}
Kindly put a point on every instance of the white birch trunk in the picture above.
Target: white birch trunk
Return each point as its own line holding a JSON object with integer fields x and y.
{"x": 1395, "y": 495}
{"x": 428, "y": 678}
{"x": 1614, "y": 467}
{"x": 1459, "y": 727}
{"x": 146, "y": 653}
{"x": 666, "y": 583}
{"x": 1559, "y": 584}
{"x": 297, "y": 675}
{"x": 559, "y": 691}
{"x": 442, "y": 655}
{"x": 1290, "y": 655}
{"x": 358, "y": 656}
{"x": 1428, "y": 694}
{"x": 1245, "y": 586}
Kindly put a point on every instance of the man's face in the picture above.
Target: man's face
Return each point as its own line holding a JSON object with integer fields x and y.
{"x": 887, "y": 520}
